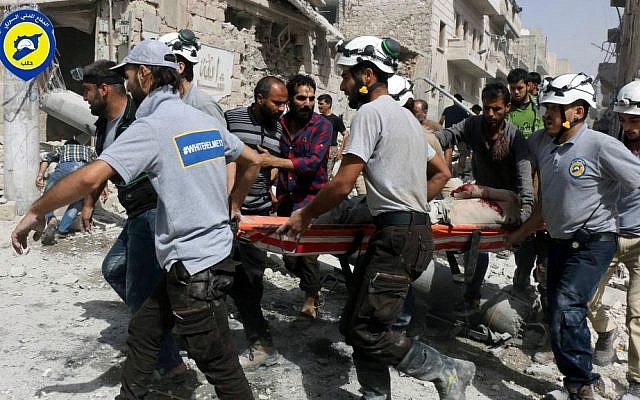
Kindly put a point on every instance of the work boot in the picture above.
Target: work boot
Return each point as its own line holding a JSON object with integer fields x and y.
{"x": 174, "y": 376}
{"x": 451, "y": 376}
{"x": 261, "y": 353}
{"x": 633, "y": 393}
{"x": 49, "y": 235}
{"x": 605, "y": 351}
{"x": 582, "y": 392}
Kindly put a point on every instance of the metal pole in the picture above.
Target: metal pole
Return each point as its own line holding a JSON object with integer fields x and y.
{"x": 444, "y": 92}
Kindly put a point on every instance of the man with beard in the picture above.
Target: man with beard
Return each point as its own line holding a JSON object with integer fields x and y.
{"x": 302, "y": 173}
{"x": 386, "y": 142}
{"x": 581, "y": 174}
{"x": 185, "y": 45}
{"x": 627, "y": 105}
{"x": 500, "y": 160}
{"x": 130, "y": 266}
{"x": 183, "y": 151}
{"x": 257, "y": 125}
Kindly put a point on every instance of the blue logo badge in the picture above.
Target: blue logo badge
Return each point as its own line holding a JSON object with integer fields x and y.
{"x": 195, "y": 148}
{"x": 28, "y": 43}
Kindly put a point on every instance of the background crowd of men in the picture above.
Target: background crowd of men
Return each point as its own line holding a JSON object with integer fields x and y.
{"x": 578, "y": 192}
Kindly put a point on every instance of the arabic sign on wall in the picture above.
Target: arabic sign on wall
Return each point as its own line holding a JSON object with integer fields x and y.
{"x": 213, "y": 72}
{"x": 28, "y": 43}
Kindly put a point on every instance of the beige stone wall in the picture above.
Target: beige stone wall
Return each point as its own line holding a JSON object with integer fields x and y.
{"x": 249, "y": 29}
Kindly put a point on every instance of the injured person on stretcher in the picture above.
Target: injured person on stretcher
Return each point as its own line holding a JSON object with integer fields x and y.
{"x": 454, "y": 218}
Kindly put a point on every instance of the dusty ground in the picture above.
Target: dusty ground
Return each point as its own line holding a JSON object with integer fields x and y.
{"x": 63, "y": 333}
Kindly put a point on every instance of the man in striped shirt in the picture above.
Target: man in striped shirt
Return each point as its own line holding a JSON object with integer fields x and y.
{"x": 257, "y": 125}
{"x": 71, "y": 156}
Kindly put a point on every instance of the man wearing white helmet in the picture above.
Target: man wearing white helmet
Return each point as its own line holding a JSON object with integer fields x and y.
{"x": 184, "y": 152}
{"x": 401, "y": 90}
{"x": 185, "y": 45}
{"x": 627, "y": 105}
{"x": 383, "y": 137}
{"x": 581, "y": 172}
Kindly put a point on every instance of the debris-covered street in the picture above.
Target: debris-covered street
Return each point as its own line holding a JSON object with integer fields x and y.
{"x": 63, "y": 335}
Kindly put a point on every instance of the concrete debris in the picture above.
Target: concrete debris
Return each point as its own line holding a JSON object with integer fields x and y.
{"x": 17, "y": 272}
{"x": 547, "y": 371}
{"x": 67, "y": 279}
{"x": 607, "y": 387}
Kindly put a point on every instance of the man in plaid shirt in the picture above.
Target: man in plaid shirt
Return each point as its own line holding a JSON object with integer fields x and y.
{"x": 305, "y": 144}
{"x": 71, "y": 156}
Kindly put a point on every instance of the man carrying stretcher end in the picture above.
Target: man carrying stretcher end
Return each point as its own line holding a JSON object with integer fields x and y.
{"x": 383, "y": 137}
{"x": 500, "y": 160}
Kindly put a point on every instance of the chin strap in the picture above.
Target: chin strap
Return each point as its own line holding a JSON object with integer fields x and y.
{"x": 566, "y": 125}
{"x": 364, "y": 92}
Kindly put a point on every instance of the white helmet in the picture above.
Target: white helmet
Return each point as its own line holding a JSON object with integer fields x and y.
{"x": 381, "y": 52}
{"x": 567, "y": 88}
{"x": 628, "y": 99}
{"x": 183, "y": 43}
{"x": 400, "y": 88}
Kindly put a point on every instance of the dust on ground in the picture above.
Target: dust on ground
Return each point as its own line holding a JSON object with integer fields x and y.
{"x": 63, "y": 333}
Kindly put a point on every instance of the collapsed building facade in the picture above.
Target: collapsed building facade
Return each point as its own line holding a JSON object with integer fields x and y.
{"x": 457, "y": 44}
{"x": 613, "y": 74}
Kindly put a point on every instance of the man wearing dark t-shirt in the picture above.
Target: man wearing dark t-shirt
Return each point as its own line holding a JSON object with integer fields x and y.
{"x": 257, "y": 126}
{"x": 324, "y": 106}
{"x": 453, "y": 114}
{"x": 450, "y": 116}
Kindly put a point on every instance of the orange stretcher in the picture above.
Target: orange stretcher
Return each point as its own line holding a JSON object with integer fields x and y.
{"x": 340, "y": 239}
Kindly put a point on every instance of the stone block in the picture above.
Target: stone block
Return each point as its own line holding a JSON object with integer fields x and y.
{"x": 8, "y": 211}
{"x": 150, "y": 21}
{"x": 196, "y": 7}
{"x": 201, "y": 24}
{"x": 214, "y": 11}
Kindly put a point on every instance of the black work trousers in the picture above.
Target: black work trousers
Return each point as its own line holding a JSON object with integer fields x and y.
{"x": 248, "y": 289}
{"x": 396, "y": 256}
{"x": 307, "y": 268}
{"x": 196, "y": 311}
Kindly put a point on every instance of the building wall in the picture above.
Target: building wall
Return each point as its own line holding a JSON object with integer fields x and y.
{"x": 629, "y": 57}
{"x": 442, "y": 71}
{"x": 263, "y": 37}
{"x": 408, "y": 23}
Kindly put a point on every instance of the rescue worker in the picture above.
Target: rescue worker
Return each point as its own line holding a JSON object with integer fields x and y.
{"x": 185, "y": 45}
{"x": 627, "y": 105}
{"x": 383, "y": 136}
{"x": 183, "y": 151}
{"x": 130, "y": 266}
{"x": 580, "y": 172}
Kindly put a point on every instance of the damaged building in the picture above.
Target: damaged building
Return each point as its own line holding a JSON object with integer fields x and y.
{"x": 457, "y": 44}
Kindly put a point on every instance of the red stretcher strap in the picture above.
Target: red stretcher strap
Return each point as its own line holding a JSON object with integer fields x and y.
{"x": 338, "y": 239}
